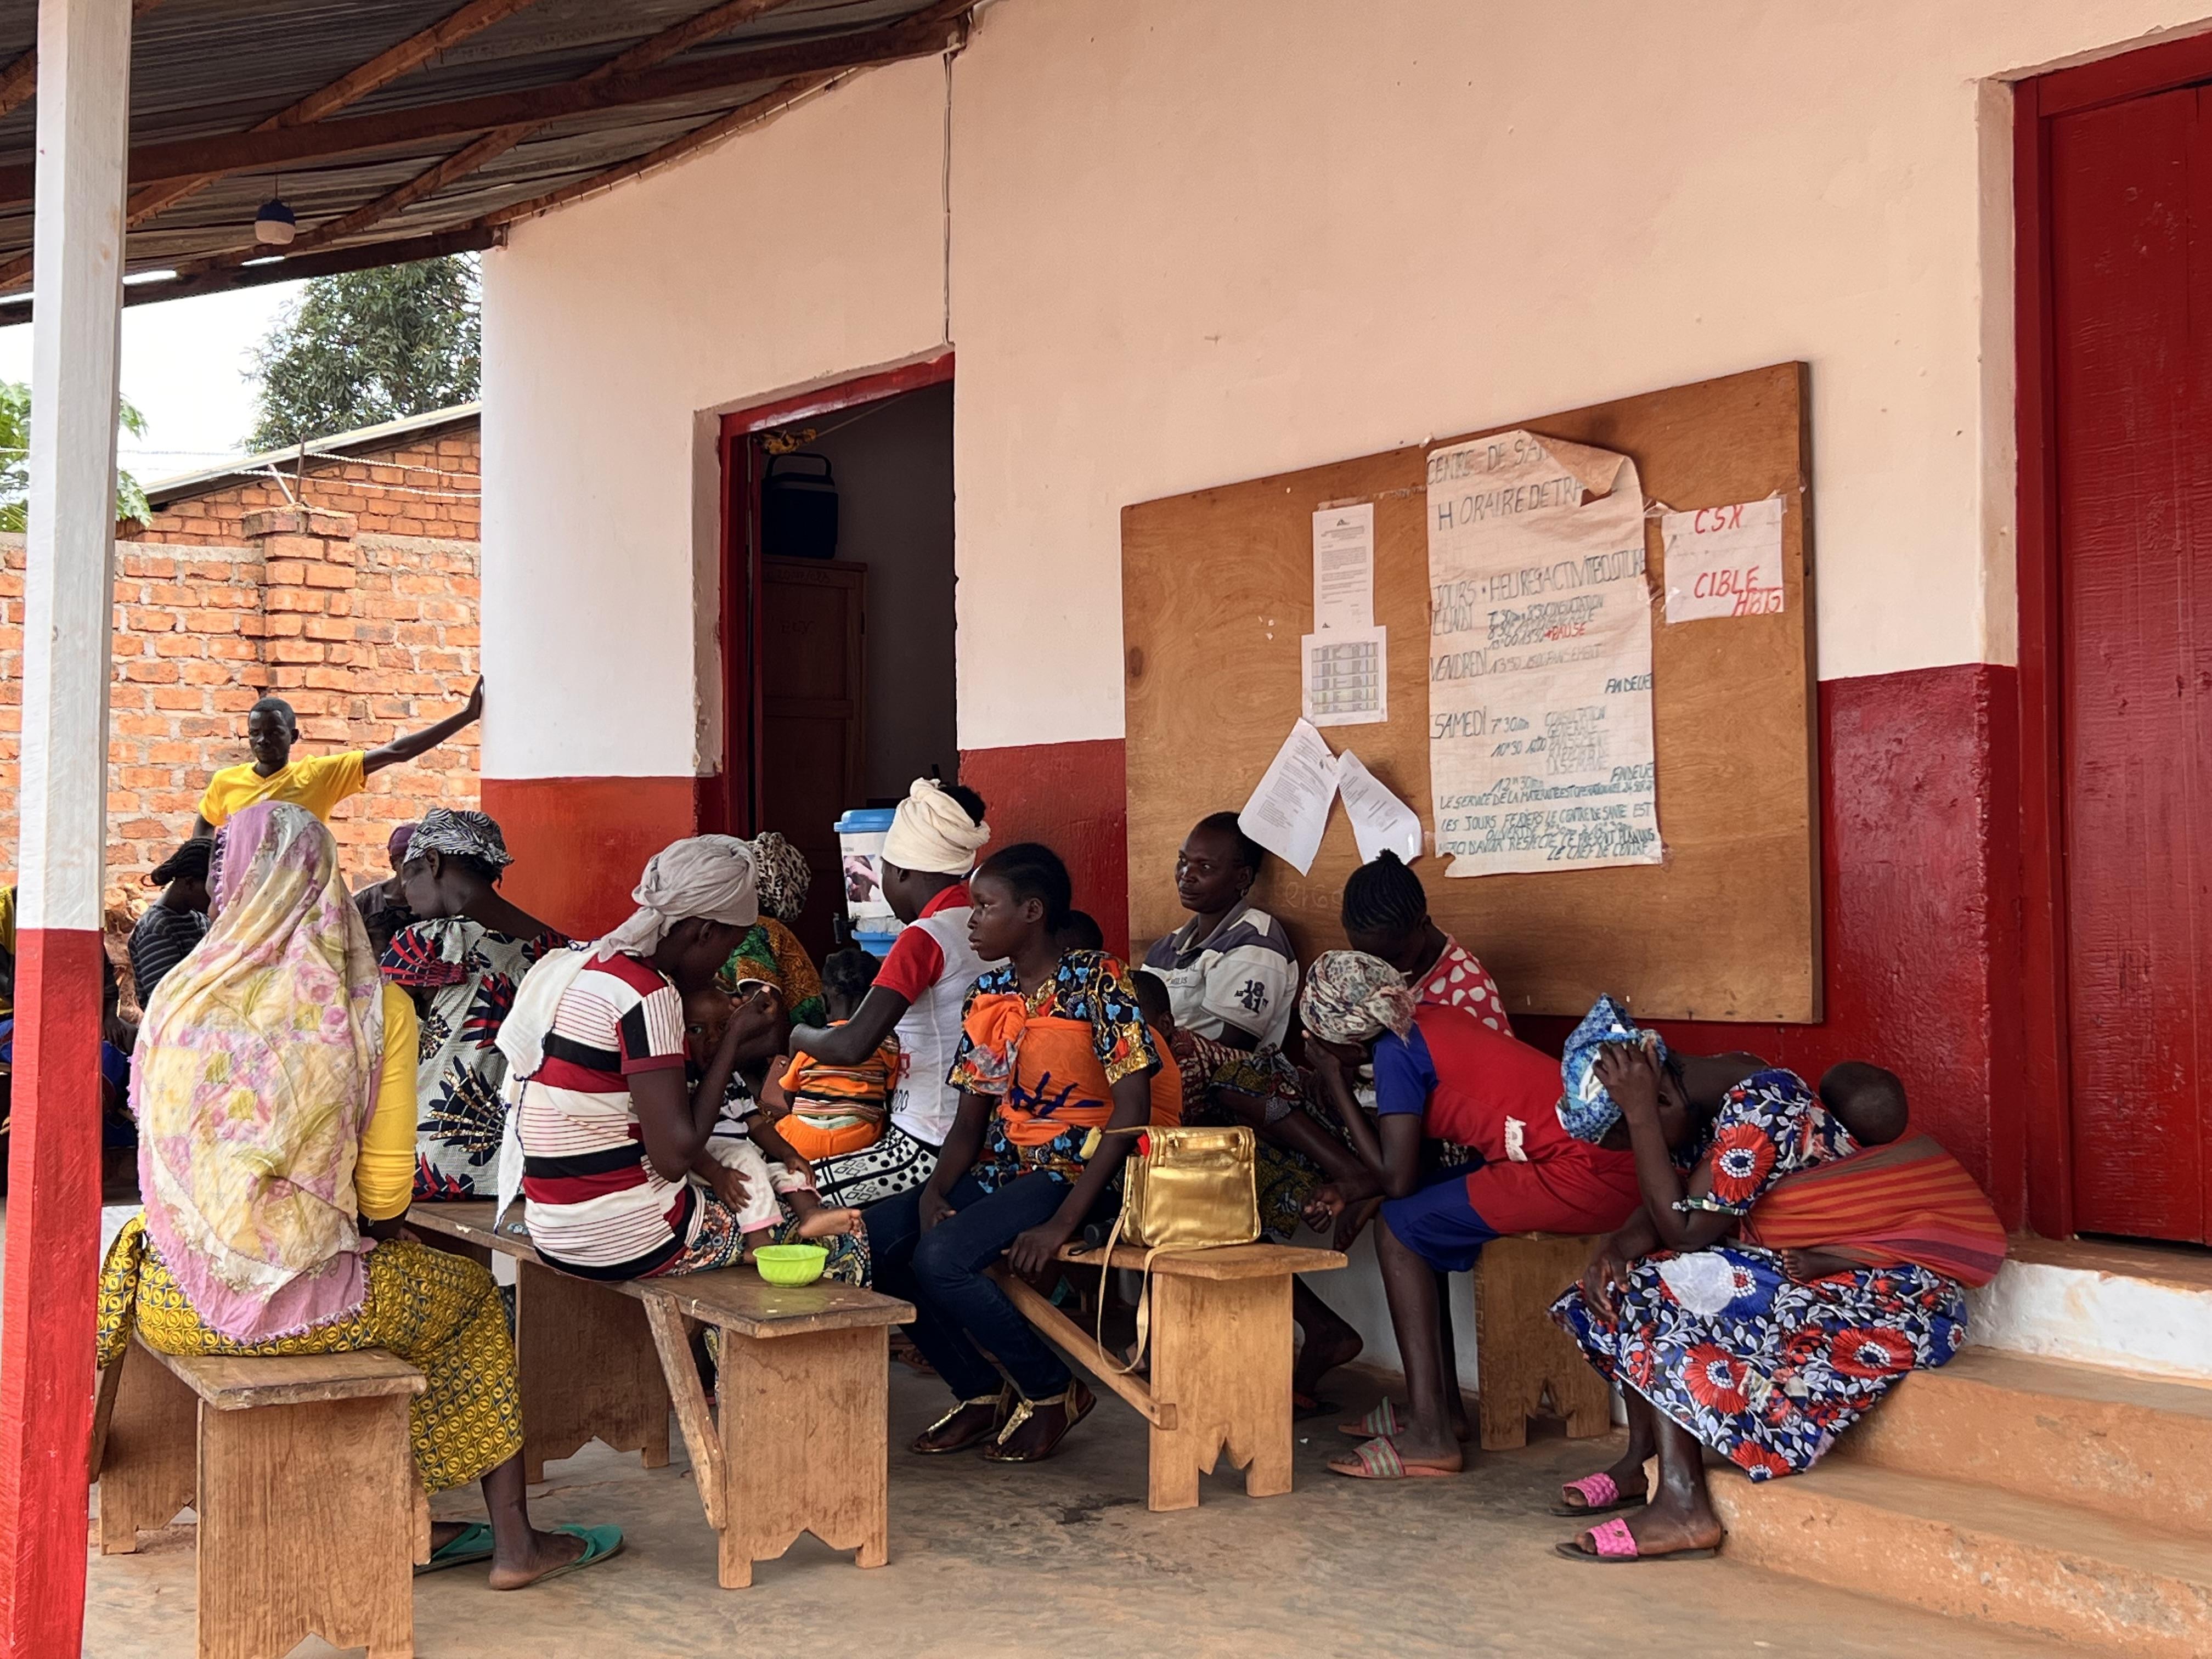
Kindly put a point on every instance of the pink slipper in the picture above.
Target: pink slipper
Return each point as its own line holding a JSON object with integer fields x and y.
{"x": 1611, "y": 1542}
{"x": 1600, "y": 1494}
{"x": 1379, "y": 1460}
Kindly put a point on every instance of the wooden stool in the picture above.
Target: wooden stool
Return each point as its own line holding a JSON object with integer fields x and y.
{"x": 311, "y": 1515}
{"x": 1219, "y": 1382}
{"x": 1521, "y": 1356}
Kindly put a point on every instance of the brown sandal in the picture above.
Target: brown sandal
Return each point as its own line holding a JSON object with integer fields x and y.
{"x": 922, "y": 1446}
{"x": 1075, "y": 1400}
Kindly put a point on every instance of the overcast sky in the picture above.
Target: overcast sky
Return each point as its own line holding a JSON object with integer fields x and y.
{"x": 185, "y": 366}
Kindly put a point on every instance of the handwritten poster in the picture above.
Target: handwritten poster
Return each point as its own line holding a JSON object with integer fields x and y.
{"x": 1540, "y": 754}
{"x": 1724, "y": 561}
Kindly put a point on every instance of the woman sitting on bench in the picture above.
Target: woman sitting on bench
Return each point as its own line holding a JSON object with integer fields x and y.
{"x": 1442, "y": 1074}
{"x": 1054, "y": 1048}
{"x": 275, "y": 1091}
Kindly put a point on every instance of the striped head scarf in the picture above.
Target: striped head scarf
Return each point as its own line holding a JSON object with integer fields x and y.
{"x": 1351, "y": 997}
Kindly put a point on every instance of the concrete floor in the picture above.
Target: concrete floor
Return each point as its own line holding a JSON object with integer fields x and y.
{"x": 1064, "y": 1560}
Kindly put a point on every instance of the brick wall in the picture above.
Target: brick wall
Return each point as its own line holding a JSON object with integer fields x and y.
{"x": 425, "y": 487}
{"x": 366, "y": 634}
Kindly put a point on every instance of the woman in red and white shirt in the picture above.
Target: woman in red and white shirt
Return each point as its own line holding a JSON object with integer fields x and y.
{"x": 1386, "y": 914}
{"x": 919, "y": 992}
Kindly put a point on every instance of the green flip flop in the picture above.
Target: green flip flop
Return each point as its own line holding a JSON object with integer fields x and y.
{"x": 599, "y": 1543}
{"x": 472, "y": 1543}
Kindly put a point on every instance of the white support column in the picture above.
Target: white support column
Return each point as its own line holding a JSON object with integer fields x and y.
{"x": 47, "y": 1307}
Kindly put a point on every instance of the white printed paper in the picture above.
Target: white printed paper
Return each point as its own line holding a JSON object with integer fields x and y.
{"x": 1379, "y": 819}
{"x": 1344, "y": 677}
{"x": 1289, "y": 811}
{"x": 1540, "y": 753}
{"x": 1724, "y": 561}
{"x": 1343, "y": 567}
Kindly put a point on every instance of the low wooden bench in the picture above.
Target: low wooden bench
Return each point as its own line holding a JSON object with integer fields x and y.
{"x": 1525, "y": 1365}
{"x": 1221, "y": 1360}
{"x": 802, "y": 1440}
{"x": 310, "y": 1517}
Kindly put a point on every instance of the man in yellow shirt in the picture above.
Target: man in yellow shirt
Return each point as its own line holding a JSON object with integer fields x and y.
{"x": 320, "y": 782}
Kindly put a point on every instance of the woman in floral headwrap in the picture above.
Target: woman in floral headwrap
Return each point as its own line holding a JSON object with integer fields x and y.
{"x": 770, "y": 953}
{"x": 461, "y": 964}
{"x": 275, "y": 1093}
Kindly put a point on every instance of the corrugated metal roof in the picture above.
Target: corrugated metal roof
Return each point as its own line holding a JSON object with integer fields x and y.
{"x": 162, "y": 491}
{"x": 207, "y": 69}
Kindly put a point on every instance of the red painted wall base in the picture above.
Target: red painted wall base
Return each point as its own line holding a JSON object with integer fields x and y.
{"x": 1919, "y": 885}
{"x": 579, "y": 843}
{"x": 1073, "y": 797}
{"x": 49, "y": 1309}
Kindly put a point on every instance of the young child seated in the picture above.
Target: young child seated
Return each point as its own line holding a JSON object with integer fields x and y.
{"x": 745, "y": 1141}
{"x": 822, "y": 1110}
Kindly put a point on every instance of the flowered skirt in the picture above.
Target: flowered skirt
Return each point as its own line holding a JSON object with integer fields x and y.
{"x": 439, "y": 1312}
{"x": 1765, "y": 1371}
{"x": 1283, "y": 1181}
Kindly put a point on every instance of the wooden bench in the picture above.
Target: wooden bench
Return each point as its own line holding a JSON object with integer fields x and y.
{"x": 1522, "y": 1359}
{"x": 310, "y": 1517}
{"x": 1221, "y": 1360}
{"x": 802, "y": 1442}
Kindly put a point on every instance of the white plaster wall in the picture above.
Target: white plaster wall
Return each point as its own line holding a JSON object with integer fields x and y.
{"x": 613, "y": 332}
{"x": 1194, "y": 241}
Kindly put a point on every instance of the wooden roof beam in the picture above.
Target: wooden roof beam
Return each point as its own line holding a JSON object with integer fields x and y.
{"x": 321, "y": 140}
{"x": 659, "y": 48}
{"x": 20, "y": 79}
{"x": 380, "y": 70}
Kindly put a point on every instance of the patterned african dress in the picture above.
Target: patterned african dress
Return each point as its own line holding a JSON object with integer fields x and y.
{"x": 1285, "y": 1180}
{"x": 462, "y": 976}
{"x": 1089, "y": 988}
{"x": 772, "y": 951}
{"x": 1765, "y": 1370}
{"x": 438, "y": 1311}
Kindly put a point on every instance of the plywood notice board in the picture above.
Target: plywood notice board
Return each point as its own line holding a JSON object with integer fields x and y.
{"x": 1217, "y": 589}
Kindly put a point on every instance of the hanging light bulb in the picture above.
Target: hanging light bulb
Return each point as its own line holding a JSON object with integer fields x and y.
{"x": 276, "y": 224}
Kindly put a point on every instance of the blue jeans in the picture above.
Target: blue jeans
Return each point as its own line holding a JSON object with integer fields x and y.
{"x": 956, "y": 1306}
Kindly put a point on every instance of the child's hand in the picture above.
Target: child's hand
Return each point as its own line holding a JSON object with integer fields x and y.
{"x": 726, "y": 1183}
{"x": 1326, "y": 1204}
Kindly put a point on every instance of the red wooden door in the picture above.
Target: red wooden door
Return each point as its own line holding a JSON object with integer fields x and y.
{"x": 2131, "y": 300}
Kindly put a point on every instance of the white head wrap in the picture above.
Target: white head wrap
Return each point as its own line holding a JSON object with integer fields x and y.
{"x": 709, "y": 876}
{"x": 932, "y": 831}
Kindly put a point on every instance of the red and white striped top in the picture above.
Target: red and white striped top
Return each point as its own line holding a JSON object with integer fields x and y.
{"x": 594, "y": 1204}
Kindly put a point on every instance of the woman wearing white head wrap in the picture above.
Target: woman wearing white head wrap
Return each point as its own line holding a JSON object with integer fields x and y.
{"x": 616, "y": 1171}
{"x": 934, "y": 832}
{"x": 919, "y": 991}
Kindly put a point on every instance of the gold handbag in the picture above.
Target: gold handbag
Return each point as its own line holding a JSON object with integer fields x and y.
{"x": 1182, "y": 1190}
{"x": 1190, "y": 1189}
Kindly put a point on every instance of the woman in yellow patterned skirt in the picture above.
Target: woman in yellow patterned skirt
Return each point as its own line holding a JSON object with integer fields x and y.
{"x": 274, "y": 1086}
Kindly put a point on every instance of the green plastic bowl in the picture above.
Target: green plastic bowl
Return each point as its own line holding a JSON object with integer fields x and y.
{"x": 790, "y": 1264}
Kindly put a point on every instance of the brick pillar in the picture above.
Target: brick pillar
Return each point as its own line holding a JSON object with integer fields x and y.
{"x": 307, "y": 650}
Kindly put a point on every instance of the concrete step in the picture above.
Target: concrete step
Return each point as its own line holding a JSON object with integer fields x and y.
{"x": 2130, "y": 1447}
{"x": 2142, "y": 1307}
{"x": 1948, "y": 1547}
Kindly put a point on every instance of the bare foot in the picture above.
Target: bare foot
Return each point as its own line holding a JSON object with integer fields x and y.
{"x": 443, "y": 1532}
{"x": 545, "y": 1551}
{"x": 1321, "y": 1354}
{"x": 828, "y": 1223}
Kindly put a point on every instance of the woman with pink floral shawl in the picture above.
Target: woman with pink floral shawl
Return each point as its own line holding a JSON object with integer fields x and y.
{"x": 274, "y": 1086}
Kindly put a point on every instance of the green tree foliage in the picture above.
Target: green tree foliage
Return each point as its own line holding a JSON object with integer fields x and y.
{"x": 366, "y": 347}
{"x": 16, "y": 459}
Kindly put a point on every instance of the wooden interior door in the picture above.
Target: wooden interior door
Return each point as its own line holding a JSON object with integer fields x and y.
{"x": 2131, "y": 207}
{"x": 813, "y": 709}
